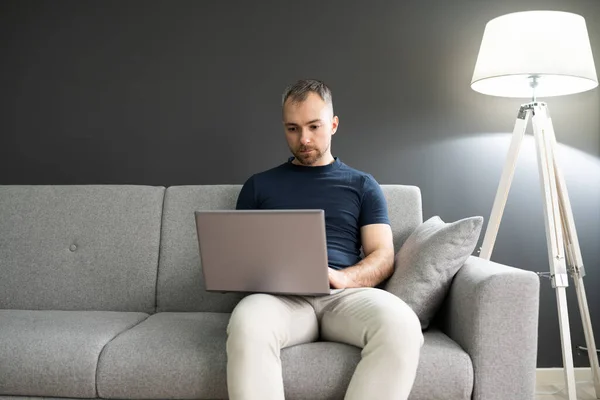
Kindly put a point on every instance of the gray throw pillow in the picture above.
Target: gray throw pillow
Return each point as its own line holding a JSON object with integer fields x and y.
{"x": 427, "y": 262}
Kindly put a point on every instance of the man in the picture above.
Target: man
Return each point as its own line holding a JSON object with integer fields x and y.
{"x": 386, "y": 329}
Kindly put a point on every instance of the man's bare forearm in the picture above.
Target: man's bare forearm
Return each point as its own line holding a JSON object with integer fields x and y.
{"x": 372, "y": 270}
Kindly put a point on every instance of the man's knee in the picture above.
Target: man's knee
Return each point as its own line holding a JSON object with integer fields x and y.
{"x": 399, "y": 324}
{"x": 250, "y": 322}
{"x": 248, "y": 316}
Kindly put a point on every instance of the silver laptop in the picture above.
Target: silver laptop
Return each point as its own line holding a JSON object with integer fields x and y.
{"x": 263, "y": 251}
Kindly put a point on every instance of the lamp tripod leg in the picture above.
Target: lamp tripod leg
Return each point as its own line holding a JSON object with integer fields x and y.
{"x": 589, "y": 333}
{"x": 505, "y": 182}
{"x": 554, "y": 237}
{"x": 575, "y": 263}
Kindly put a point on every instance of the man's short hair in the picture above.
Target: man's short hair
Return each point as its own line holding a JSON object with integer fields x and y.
{"x": 299, "y": 91}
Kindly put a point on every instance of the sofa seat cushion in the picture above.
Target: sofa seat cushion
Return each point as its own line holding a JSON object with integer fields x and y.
{"x": 170, "y": 355}
{"x": 323, "y": 370}
{"x": 445, "y": 370}
{"x": 40, "y": 398}
{"x": 182, "y": 355}
{"x": 55, "y": 353}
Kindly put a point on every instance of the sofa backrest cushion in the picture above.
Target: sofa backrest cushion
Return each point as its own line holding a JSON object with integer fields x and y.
{"x": 80, "y": 247}
{"x": 180, "y": 282}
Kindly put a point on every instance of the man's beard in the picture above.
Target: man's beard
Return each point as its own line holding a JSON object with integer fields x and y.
{"x": 307, "y": 159}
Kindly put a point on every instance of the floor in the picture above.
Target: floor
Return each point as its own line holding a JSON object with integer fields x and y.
{"x": 585, "y": 391}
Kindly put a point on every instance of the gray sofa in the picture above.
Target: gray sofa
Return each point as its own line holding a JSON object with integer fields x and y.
{"x": 101, "y": 295}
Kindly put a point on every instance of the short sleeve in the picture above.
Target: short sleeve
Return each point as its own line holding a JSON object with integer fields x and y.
{"x": 373, "y": 209}
{"x": 247, "y": 198}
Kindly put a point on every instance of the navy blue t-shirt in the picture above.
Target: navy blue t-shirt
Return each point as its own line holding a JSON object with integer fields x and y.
{"x": 349, "y": 198}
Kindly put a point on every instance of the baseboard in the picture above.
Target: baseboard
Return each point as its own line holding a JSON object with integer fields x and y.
{"x": 556, "y": 376}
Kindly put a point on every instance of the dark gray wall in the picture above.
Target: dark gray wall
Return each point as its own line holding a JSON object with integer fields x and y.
{"x": 188, "y": 92}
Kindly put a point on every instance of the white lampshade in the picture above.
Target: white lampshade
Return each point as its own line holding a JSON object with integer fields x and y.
{"x": 552, "y": 45}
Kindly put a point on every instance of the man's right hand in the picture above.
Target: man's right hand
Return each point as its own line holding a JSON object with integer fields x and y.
{"x": 337, "y": 279}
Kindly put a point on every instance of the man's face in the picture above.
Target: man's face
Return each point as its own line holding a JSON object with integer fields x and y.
{"x": 309, "y": 126}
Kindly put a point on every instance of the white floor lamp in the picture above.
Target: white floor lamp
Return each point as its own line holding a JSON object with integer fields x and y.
{"x": 541, "y": 54}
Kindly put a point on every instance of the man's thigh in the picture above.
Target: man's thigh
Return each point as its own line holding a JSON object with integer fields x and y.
{"x": 289, "y": 319}
{"x": 353, "y": 316}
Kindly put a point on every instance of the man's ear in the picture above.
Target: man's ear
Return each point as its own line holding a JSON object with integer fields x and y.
{"x": 335, "y": 124}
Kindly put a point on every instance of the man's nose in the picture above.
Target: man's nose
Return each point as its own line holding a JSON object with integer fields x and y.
{"x": 305, "y": 139}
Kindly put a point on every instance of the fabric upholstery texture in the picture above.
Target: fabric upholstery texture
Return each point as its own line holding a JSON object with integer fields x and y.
{"x": 322, "y": 370}
{"x": 445, "y": 371}
{"x": 55, "y": 353}
{"x": 404, "y": 209}
{"x": 170, "y": 355}
{"x": 429, "y": 259}
{"x": 39, "y": 398}
{"x": 79, "y": 247}
{"x": 492, "y": 312}
{"x": 182, "y": 355}
{"x": 180, "y": 280}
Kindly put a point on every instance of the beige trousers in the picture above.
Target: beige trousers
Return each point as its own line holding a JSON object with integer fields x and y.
{"x": 378, "y": 322}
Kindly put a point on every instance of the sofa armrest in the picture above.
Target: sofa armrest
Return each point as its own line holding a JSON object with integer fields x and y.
{"x": 492, "y": 312}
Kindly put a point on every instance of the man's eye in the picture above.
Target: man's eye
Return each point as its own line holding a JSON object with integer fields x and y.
{"x": 313, "y": 127}
{"x": 291, "y": 129}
